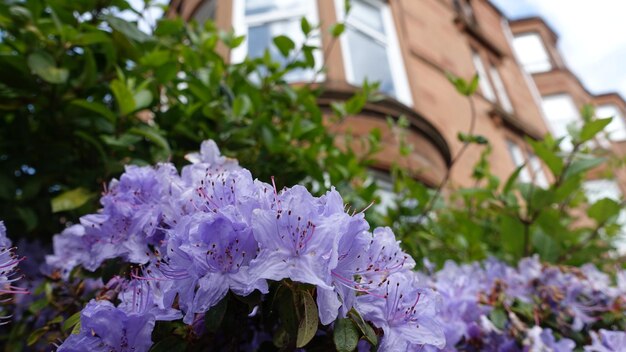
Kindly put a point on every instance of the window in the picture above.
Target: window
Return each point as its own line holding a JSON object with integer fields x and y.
{"x": 532, "y": 170}
{"x": 561, "y": 112}
{"x": 262, "y": 20}
{"x": 605, "y": 188}
{"x": 616, "y": 130}
{"x": 483, "y": 80}
{"x": 531, "y": 53}
{"x": 503, "y": 97}
{"x": 535, "y": 166}
{"x": 370, "y": 48}
{"x": 517, "y": 155}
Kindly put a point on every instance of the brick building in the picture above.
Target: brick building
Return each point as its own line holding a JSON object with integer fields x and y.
{"x": 525, "y": 88}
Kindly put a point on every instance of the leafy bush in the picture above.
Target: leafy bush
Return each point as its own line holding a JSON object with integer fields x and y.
{"x": 84, "y": 92}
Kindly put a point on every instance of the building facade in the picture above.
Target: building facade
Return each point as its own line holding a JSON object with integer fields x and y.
{"x": 409, "y": 46}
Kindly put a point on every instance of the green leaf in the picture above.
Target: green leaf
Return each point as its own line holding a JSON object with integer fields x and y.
{"x": 70, "y": 200}
{"x": 337, "y": 29}
{"x": 123, "y": 96}
{"x": 36, "y": 335}
{"x": 130, "y": 30}
{"x": 71, "y": 321}
{"x": 152, "y": 135}
{"x": 512, "y": 235}
{"x": 305, "y": 26}
{"x": 510, "y": 182}
{"x": 90, "y": 38}
{"x": 471, "y": 88}
{"x": 365, "y": 328}
{"x": 308, "y": 321}
{"x": 592, "y": 128}
{"x": 498, "y": 318}
{"x": 549, "y": 157}
{"x": 548, "y": 248}
{"x": 603, "y": 209}
{"x": 582, "y": 165}
{"x": 142, "y": 98}
{"x": 284, "y": 44}
{"x": 42, "y": 64}
{"x": 213, "y": 318}
{"x": 96, "y": 107}
{"x": 241, "y": 106}
{"x": 345, "y": 335}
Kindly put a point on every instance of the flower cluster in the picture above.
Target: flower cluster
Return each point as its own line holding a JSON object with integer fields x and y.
{"x": 490, "y": 306}
{"x": 212, "y": 229}
{"x": 8, "y": 271}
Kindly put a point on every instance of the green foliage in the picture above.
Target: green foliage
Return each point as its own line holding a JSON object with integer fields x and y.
{"x": 514, "y": 219}
{"x": 84, "y": 92}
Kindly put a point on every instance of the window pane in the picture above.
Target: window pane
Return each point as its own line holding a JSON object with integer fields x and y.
{"x": 603, "y": 188}
{"x": 369, "y": 61}
{"x": 540, "y": 176}
{"x": 518, "y": 159}
{"x": 483, "y": 80}
{"x": 368, "y": 15}
{"x": 260, "y": 38}
{"x": 503, "y": 97}
{"x": 561, "y": 112}
{"x": 255, "y": 7}
{"x": 532, "y": 53}
{"x": 617, "y": 128}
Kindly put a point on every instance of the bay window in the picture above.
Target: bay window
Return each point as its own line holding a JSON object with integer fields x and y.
{"x": 370, "y": 48}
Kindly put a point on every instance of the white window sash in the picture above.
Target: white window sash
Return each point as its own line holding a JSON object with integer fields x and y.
{"x": 503, "y": 96}
{"x": 241, "y": 24}
{"x": 483, "y": 79}
{"x": 394, "y": 55}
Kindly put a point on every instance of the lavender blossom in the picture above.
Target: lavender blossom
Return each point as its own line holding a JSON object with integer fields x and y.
{"x": 406, "y": 312}
{"x": 103, "y": 327}
{"x": 607, "y": 341}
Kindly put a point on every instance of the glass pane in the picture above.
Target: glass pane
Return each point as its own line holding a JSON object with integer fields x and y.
{"x": 540, "y": 177}
{"x": 532, "y": 53}
{"x": 255, "y": 7}
{"x": 561, "y": 111}
{"x": 368, "y": 15}
{"x": 369, "y": 61}
{"x": 260, "y": 38}
{"x": 617, "y": 128}
{"x": 518, "y": 159}
{"x": 483, "y": 80}
{"x": 505, "y": 102}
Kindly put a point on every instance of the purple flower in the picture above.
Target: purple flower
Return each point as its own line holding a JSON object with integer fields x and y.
{"x": 105, "y": 328}
{"x": 406, "y": 312}
{"x": 296, "y": 241}
{"x": 540, "y": 340}
{"x": 607, "y": 341}
{"x": 220, "y": 248}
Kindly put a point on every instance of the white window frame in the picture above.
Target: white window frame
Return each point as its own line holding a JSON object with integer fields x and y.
{"x": 486, "y": 89}
{"x": 501, "y": 92}
{"x": 390, "y": 40}
{"x": 531, "y": 67}
{"x": 241, "y": 23}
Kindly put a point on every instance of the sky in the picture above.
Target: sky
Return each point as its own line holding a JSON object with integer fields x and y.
{"x": 592, "y": 37}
